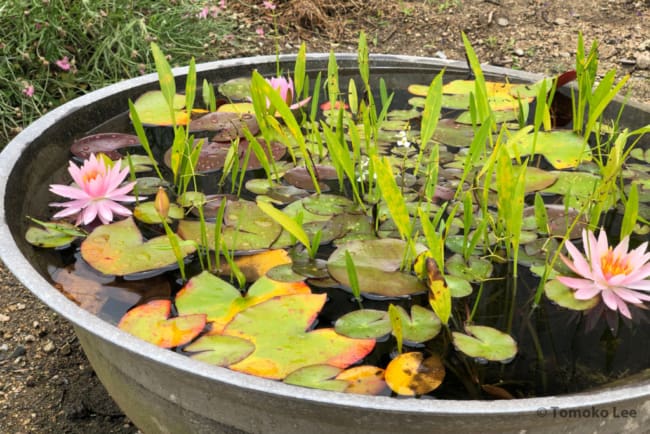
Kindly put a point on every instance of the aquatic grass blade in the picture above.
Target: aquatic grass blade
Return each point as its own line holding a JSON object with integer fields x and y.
{"x": 289, "y": 224}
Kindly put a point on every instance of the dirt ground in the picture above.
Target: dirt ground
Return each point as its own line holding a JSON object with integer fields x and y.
{"x": 46, "y": 383}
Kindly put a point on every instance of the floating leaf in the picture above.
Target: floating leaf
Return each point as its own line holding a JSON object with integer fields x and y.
{"x": 565, "y": 297}
{"x": 576, "y": 186}
{"x": 364, "y": 324}
{"x": 422, "y": 325}
{"x": 220, "y": 301}
{"x": 220, "y": 350}
{"x": 53, "y": 234}
{"x": 236, "y": 89}
{"x": 474, "y": 270}
{"x": 257, "y": 265}
{"x": 241, "y": 108}
{"x": 153, "y": 110}
{"x": 485, "y": 343}
{"x": 317, "y": 377}
{"x": 105, "y": 143}
{"x": 151, "y": 322}
{"x": 146, "y": 213}
{"x": 225, "y": 126}
{"x": 563, "y": 149}
{"x": 277, "y": 328}
{"x": 410, "y": 374}
{"x": 378, "y": 267}
{"x": 119, "y": 249}
{"x": 364, "y": 380}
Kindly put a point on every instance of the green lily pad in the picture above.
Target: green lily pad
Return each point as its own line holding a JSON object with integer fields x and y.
{"x": 53, "y": 234}
{"x": 245, "y": 228}
{"x": 563, "y": 149}
{"x": 451, "y": 133}
{"x": 421, "y": 326}
{"x": 151, "y": 322}
{"x": 378, "y": 267}
{"x": 318, "y": 377}
{"x": 486, "y": 343}
{"x": 220, "y": 350}
{"x": 153, "y": 110}
{"x": 564, "y": 296}
{"x": 146, "y": 213}
{"x": 476, "y": 270}
{"x": 500, "y": 117}
{"x": 148, "y": 185}
{"x": 458, "y": 286}
{"x": 576, "y": 186}
{"x": 119, "y": 249}
{"x": 277, "y": 328}
{"x": 329, "y": 204}
{"x": 364, "y": 324}
{"x": 236, "y": 89}
{"x": 220, "y": 301}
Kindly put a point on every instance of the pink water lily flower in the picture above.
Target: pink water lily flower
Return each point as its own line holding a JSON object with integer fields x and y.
{"x": 285, "y": 88}
{"x": 618, "y": 276}
{"x": 96, "y": 192}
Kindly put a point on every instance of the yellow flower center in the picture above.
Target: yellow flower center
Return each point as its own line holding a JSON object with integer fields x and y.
{"x": 614, "y": 265}
{"x": 89, "y": 176}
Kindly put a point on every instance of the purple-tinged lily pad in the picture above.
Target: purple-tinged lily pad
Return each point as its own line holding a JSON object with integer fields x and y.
{"x": 300, "y": 177}
{"x": 106, "y": 143}
{"x": 226, "y": 126}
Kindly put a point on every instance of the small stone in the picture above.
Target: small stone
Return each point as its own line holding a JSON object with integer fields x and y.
{"x": 65, "y": 349}
{"x": 518, "y": 52}
{"x": 49, "y": 347}
{"x": 29, "y": 338}
{"x": 560, "y": 21}
{"x": 4, "y": 318}
{"x": 627, "y": 62}
{"x": 565, "y": 54}
{"x": 18, "y": 352}
{"x": 643, "y": 60}
{"x": 503, "y": 22}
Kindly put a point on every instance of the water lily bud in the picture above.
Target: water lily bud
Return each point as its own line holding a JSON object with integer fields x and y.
{"x": 161, "y": 203}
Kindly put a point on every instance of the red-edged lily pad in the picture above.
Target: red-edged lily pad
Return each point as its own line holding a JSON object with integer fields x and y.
{"x": 277, "y": 328}
{"x": 151, "y": 322}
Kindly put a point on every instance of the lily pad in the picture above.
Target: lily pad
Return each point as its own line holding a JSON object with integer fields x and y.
{"x": 153, "y": 110}
{"x": 220, "y": 301}
{"x": 364, "y": 380}
{"x": 563, "y": 149}
{"x": 236, "y": 89}
{"x": 410, "y": 374}
{"x": 422, "y": 325}
{"x": 364, "y": 324}
{"x": 225, "y": 126}
{"x": 476, "y": 270}
{"x": 119, "y": 249}
{"x": 317, "y": 377}
{"x": 105, "y": 143}
{"x": 564, "y": 296}
{"x": 257, "y": 265}
{"x": 53, "y": 234}
{"x": 277, "y": 328}
{"x": 151, "y": 322}
{"x": 485, "y": 343}
{"x": 220, "y": 350}
{"x": 146, "y": 213}
{"x": 378, "y": 267}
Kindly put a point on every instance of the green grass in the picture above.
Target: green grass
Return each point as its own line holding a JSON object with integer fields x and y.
{"x": 105, "y": 41}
